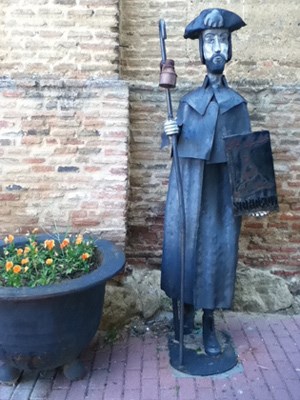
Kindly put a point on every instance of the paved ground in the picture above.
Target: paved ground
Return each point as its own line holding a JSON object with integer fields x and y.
{"x": 136, "y": 367}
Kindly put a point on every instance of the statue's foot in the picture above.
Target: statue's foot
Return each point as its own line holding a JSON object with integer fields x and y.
{"x": 211, "y": 344}
{"x": 9, "y": 375}
{"x": 74, "y": 371}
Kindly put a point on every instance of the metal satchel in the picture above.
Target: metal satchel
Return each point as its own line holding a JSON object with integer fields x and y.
{"x": 251, "y": 173}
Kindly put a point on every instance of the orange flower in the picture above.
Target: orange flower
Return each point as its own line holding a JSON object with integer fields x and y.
{"x": 25, "y": 261}
{"x": 9, "y": 265}
{"x": 85, "y": 256}
{"x": 17, "y": 269}
{"x": 9, "y": 239}
{"x": 19, "y": 252}
{"x": 64, "y": 243}
{"x": 26, "y": 250}
{"x": 49, "y": 261}
{"x": 49, "y": 244}
{"x": 79, "y": 239}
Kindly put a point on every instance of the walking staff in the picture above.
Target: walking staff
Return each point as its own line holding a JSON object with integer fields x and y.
{"x": 168, "y": 81}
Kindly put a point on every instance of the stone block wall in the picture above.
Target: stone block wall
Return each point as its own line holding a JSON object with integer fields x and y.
{"x": 63, "y": 118}
{"x": 264, "y": 69}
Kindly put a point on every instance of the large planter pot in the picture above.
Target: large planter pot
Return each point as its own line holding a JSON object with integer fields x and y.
{"x": 49, "y": 326}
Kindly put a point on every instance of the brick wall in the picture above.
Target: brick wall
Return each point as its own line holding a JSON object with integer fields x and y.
{"x": 64, "y": 38}
{"x": 75, "y": 74}
{"x": 264, "y": 69}
{"x": 63, "y": 118}
{"x": 64, "y": 156}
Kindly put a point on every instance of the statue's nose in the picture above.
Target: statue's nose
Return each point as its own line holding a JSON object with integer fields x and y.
{"x": 217, "y": 47}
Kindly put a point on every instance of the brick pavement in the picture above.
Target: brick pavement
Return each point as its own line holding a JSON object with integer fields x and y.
{"x": 136, "y": 367}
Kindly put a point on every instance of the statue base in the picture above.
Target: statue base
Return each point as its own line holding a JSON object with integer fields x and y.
{"x": 196, "y": 361}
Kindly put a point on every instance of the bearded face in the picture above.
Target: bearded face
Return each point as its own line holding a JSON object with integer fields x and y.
{"x": 215, "y": 44}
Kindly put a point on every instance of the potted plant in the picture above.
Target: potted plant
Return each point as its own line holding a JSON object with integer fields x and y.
{"x": 51, "y": 300}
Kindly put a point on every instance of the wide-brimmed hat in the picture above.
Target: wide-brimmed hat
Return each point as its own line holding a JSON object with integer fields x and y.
{"x": 213, "y": 18}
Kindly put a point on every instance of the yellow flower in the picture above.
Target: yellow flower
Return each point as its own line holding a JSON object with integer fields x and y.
{"x": 19, "y": 252}
{"x": 64, "y": 243}
{"x": 49, "y": 261}
{"x": 26, "y": 250}
{"x": 26, "y": 269}
{"x": 79, "y": 239}
{"x": 25, "y": 261}
{"x": 9, "y": 265}
{"x": 49, "y": 244}
{"x": 85, "y": 256}
{"x": 17, "y": 269}
{"x": 9, "y": 239}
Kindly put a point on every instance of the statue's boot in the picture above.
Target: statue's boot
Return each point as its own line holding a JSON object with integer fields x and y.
{"x": 211, "y": 344}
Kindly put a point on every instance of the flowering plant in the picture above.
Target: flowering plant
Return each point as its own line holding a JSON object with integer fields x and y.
{"x": 46, "y": 262}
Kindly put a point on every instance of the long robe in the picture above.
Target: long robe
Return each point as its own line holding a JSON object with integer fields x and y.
{"x": 205, "y": 116}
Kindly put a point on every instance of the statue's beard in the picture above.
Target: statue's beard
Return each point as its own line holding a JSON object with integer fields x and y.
{"x": 216, "y": 64}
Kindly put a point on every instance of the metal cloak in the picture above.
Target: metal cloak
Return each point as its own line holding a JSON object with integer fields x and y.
{"x": 205, "y": 116}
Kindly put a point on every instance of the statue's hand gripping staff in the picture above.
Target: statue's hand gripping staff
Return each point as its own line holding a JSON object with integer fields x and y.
{"x": 168, "y": 81}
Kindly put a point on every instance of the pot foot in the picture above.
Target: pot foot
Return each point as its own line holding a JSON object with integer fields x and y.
{"x": 9, "y": 375}
{"x": 74, "y": 371}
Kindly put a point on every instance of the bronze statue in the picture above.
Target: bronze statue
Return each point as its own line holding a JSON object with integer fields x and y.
{"x": 205, "y": 117}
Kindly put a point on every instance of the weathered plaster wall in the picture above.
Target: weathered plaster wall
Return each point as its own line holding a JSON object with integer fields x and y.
{"x": 264, "y": 69}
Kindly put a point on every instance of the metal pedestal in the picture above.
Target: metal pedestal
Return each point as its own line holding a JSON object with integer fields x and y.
{"x": 196, "y": 361}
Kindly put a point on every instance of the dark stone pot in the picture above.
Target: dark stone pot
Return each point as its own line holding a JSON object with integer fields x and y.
{"x": 48, "y": 326}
